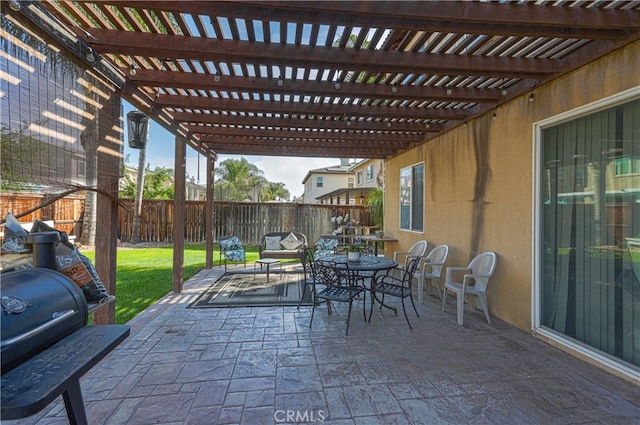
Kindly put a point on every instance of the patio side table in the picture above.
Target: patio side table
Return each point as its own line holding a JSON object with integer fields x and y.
{"x": 267, "y": 262}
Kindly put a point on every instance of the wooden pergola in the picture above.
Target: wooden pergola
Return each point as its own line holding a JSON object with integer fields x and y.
{"x": 336, "y": 79}
{"x": 330, "y": 78}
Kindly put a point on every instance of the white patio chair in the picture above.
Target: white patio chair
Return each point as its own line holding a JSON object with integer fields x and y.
{"x": 432, "y": 269}
{"x": 418, "y": 249}
{"x": 474, "y": 283}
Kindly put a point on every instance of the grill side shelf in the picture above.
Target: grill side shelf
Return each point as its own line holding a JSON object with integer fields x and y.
{"x": 31, "y": 386}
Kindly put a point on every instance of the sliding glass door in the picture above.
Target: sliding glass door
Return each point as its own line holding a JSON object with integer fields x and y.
{"x": 590, "y": 230}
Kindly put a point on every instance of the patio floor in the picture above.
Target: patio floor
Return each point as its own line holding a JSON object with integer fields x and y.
{"x": 265, "y": 366}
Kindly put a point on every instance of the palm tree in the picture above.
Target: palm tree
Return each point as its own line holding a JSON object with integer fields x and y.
{"x": 239, "y": 177}
{"x": 275, "y": 192}
{"x": 376, "y": 201}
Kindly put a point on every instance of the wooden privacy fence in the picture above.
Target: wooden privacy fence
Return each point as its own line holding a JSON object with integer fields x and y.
{"x": 66, "y": 213}
{"x": 247, "y": 220}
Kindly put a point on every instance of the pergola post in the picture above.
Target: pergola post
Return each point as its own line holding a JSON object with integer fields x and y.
{"x": 209, "y": 212}
{"x": 106, "y": 225}
{"x": 179, "y": 214}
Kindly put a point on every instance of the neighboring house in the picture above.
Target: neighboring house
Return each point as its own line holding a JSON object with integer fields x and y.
{"x": 194, "y": 191}
{"x": 367, "y": 175}
{"x": 323, "y": 185}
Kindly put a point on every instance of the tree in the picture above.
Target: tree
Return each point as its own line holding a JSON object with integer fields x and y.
{"x": 137, "y": 208}
{"x": 17, "y": 154}
{"x": 158, "y": 184}
{"x": 376, "y": 202}
{"x": 239, "y": 178}
{"x": 274, "y": 192}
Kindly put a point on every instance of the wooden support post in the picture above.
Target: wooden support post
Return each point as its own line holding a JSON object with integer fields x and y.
{"x": 209, "y": 212}
{"x": 106, "y": 225}
{"x": 179, "y": 214}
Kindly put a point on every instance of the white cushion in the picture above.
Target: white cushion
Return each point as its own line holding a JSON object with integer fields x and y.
{"x": 291, "y": 242}
{"x": 272, "y": 243}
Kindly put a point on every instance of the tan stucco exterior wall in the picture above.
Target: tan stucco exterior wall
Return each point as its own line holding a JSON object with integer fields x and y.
{"x": 479, "y": 181}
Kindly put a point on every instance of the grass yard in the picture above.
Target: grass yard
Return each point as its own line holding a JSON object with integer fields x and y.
{"x": 144, "y": 275}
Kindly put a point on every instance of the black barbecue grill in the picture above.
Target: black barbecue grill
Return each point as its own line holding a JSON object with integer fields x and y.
{"x": 46, "y": 345}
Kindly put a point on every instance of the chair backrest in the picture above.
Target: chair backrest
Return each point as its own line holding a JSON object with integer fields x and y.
{"x": 412, "y": 265}
{"x": 230, "y": 243}
{"x": 483, "y": 264}
{"x": 437, "y": 257}
{"x": 326, "y": 245}
{"x": 332, "y": 273}
{"x": 418, "y": 249}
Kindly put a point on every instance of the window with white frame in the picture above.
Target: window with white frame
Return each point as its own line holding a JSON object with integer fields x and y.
{"x": 628, "y": 165}
{"x": 359, "y": 177}
{"x": 370, "y": 173}
{"x": 319, "y": 181}
{"x": 412, "y": 198}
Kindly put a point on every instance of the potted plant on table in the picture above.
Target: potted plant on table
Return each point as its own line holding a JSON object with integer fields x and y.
{"x": 353, "y": 249}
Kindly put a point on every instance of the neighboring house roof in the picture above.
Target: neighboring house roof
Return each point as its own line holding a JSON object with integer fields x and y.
{"x": 343, "y": 190}
{"x": 334, "y": 169}
{"x": 362, "y": 163}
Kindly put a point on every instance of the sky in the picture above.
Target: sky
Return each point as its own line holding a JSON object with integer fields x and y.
{"x": 277, "y": 169}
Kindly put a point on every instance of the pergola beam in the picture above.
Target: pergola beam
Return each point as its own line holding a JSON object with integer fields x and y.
{"x": 353, "y": 136}
{"x": 176, "y": 47}
{"x": 313, "y": 88}
{"x": 293, "y": 121}
{"x": 344, "y": 110}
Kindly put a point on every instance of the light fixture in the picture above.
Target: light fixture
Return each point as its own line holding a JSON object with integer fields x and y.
{"x": 494, "y": 116}
{"x": 138, "y": 123}
{"x": 132, "y": 69}
{"x": 349, "y": 123}
{"x": 388, "y": 125}
{"x": 394, "y": 88}
{"x": 216, "y": 78}
{"x": 89, "y": 56}
{"x": 280, "y": 82}
{"x": 15, "y": 5}
{"x": 532, "y": 97}
{"x": 503, "y": 91}
{"x": 449, "y": 91}
{"x": 427, "y": 125}
{"x": 337, "y": 85}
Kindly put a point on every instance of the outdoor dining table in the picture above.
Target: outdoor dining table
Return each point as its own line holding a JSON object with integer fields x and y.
{"x": 366, "y": 263}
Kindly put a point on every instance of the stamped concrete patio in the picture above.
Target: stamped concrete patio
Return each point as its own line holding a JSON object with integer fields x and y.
{"x": 265, "y": 366}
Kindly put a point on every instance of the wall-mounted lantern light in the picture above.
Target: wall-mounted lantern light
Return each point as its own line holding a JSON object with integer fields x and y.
{"x": 138, "y": 124}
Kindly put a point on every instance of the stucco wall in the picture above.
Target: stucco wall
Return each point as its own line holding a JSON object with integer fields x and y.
{"x": 479, "y": 181}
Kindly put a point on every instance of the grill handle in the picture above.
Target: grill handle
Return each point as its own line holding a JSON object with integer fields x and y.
{"x": 57, "y": 317}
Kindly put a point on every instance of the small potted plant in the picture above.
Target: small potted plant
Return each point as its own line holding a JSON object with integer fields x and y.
{"x": 353, "y": 249}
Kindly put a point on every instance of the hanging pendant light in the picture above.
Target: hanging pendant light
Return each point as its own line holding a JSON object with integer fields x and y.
{"x": 137, "y": 124}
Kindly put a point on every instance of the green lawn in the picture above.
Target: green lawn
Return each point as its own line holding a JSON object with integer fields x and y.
{"x": 145, "y": 275}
